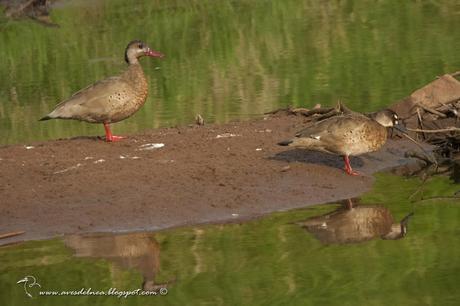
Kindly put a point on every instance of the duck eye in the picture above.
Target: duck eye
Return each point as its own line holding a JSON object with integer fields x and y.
{"x": 140, "y": 46}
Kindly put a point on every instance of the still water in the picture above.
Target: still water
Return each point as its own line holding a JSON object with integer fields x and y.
{"x": 224, "y": 59}
{"x": 322, "y": 255}
{"x": 236, "y": 60}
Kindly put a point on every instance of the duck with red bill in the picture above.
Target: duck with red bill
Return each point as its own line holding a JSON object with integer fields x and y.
{"x": 112, "y": 99}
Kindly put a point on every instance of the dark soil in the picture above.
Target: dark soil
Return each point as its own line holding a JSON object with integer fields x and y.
{"x": 86, "y": 185}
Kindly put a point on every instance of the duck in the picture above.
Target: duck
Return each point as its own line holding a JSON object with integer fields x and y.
{"x": 112, "y": 99}
{"x": 349, "y": 134}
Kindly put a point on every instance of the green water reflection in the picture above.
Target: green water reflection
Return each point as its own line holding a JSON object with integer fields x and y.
{"x": 271, "y": 261}
{"x": 225, "y": 59}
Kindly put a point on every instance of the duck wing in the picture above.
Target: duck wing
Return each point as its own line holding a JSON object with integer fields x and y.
{"x": 330, "y": 127}
{"x": 95, "y": 102}
{"x": 333, "y": 135}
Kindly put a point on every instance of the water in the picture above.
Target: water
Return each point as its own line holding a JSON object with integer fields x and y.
{"x": 236, "y": 60}
{"x": 270, "y": 261}
{"x": 224, "y": 59}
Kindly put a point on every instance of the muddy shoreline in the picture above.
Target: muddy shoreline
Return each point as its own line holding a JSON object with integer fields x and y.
{"x": 202, "y": 174}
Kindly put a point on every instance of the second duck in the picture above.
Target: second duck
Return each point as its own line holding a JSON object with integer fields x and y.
{"x": 347, "y": 135}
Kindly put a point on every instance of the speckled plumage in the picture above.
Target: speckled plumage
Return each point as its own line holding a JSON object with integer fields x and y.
{"x": 112, "y": 99}
{"x": 107, "y": 101}
{"x": 343, "y": 135}
{"x": 346, "y": 135}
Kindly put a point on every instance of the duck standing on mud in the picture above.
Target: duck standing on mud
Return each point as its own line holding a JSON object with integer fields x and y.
{"x": 347, "y": 135}
{"x": 113, "y": 99}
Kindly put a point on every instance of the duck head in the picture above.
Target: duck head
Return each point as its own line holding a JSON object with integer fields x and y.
{"x": 388, "y": 118}
{"x": 137, "y": 49}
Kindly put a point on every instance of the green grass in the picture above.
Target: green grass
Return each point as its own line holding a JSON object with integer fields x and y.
{"x": 224, "y": 59}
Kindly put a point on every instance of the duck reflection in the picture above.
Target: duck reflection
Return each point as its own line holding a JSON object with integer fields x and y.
{"x": 354, "y": 223}
{"x": 138, "y": 251}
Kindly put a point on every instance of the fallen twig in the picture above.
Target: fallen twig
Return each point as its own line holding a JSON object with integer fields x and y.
{"x": 317, "y": 111}
{"x": 449, "y": 129}
{"x": 11, "y": 234}
{"x": 299, "y": 110}
{"x": 439, "y": 198}
{"x": 430, "y": 157}
{"x": 420, "y": 122}
{"x": 430, "y": 110}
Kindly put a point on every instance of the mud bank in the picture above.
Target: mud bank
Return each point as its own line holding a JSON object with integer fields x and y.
{"x": 211, "y": 173}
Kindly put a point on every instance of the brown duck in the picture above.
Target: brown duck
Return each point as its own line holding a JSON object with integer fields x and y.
{"x": 349, "y": 134}
{"x": 113, "y": 99}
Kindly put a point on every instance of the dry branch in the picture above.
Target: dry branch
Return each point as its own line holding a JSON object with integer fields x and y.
{"x": 448, "y": 129}
{"x": 11, "y": 234}
{"x": 430, "y": 110}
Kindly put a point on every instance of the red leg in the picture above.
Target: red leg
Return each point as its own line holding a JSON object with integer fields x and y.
{"x": 108, "y": 134}
{"x": 349, "y": 204}
{"x": 348, "y": 168}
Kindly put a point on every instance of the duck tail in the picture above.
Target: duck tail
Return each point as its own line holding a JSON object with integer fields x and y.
{"x": 285, "y": 143}
{"x": 47, "y": 117}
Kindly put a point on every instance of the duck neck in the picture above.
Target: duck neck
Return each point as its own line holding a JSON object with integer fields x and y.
{"x": 135, "y": 76}
{"x": 132, "y": 60}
